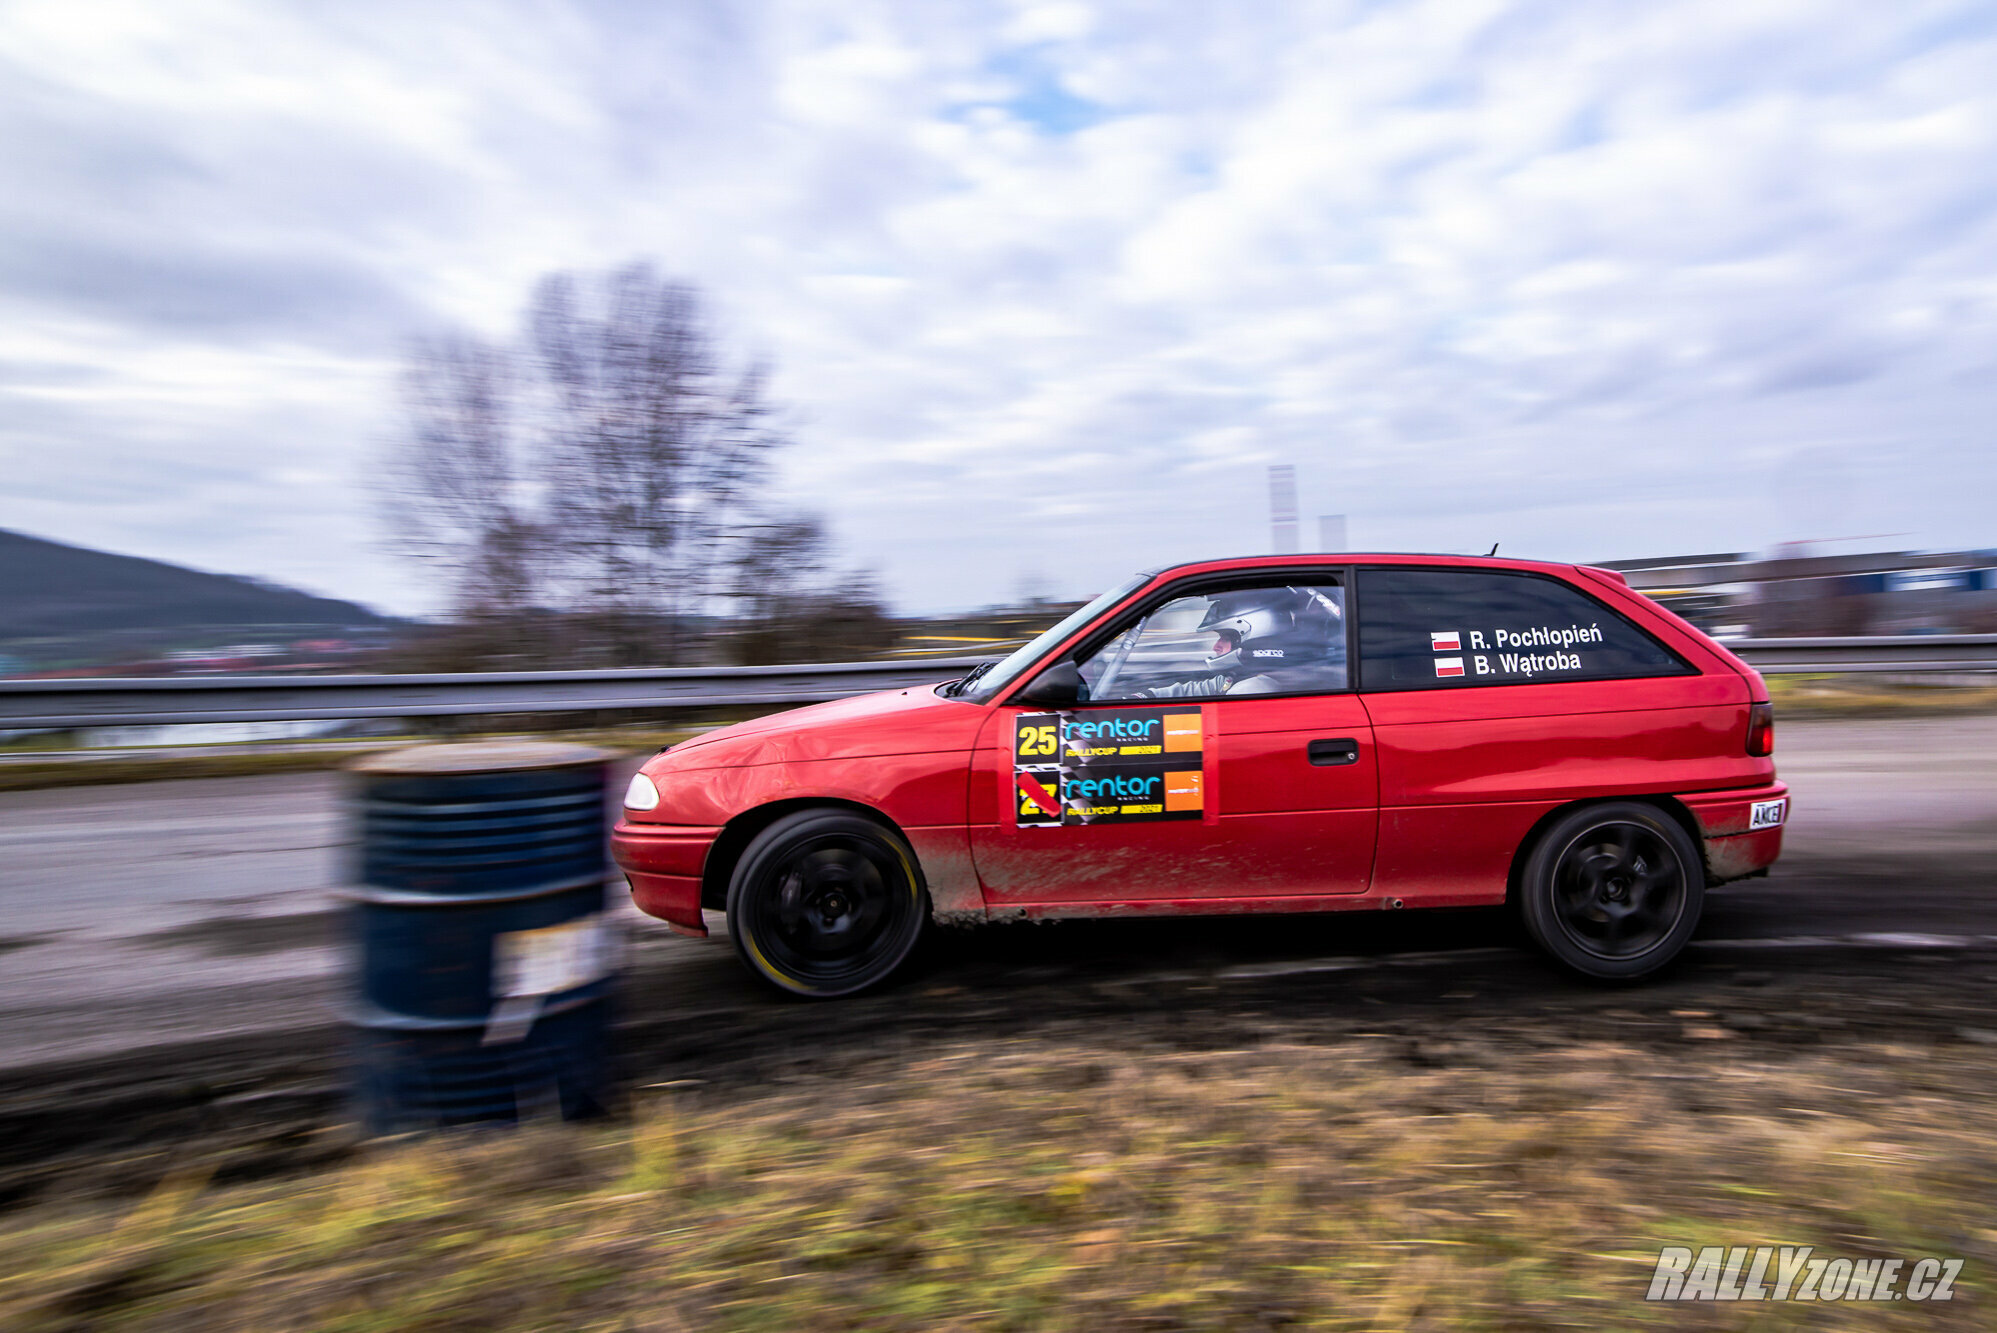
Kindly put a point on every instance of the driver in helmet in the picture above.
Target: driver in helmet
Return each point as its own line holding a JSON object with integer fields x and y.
{"x": 1269, "y": 641}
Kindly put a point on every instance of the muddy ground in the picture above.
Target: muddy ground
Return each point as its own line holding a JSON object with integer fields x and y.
{"x": 252, "y": 1107}
{"x": 1879, "y": 928}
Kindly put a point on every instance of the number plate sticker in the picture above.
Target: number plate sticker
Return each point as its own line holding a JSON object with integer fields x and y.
{"x": 552, "y": 959}
{"x": 1767, "y": 814}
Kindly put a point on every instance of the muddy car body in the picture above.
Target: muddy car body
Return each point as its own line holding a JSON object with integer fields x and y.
{"x": 1265, "y": 734}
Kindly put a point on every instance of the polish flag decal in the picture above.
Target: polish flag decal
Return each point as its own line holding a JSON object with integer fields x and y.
{"x": 1448, "y": 666}
{"x": 1446, "y": 642}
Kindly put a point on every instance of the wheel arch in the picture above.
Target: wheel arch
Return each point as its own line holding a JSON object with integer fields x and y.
{"x": 739, "y": 832}
{"x": 1668, "y": 805}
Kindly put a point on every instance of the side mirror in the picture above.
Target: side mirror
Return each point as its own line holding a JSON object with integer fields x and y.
{"x": 1057, "y": 687}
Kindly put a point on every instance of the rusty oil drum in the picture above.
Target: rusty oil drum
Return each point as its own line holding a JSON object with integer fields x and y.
{"x": 485, "y": 953}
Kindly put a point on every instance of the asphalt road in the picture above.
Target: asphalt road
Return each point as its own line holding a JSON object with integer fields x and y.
{"x": 142, "y": 915}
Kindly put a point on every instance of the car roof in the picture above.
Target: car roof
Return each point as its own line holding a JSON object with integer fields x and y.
{"x": 1223, "y": 564}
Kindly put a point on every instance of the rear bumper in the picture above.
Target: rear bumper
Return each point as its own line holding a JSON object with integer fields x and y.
{"x": 663, "y": 863}
{"x": 1734, "y": 847}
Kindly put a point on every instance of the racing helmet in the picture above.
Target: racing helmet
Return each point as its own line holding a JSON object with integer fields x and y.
{"x": 1259, "y": 629}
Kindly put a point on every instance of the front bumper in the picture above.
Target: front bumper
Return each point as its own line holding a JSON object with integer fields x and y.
{"x": 663, "y": 863}
{"x": 1734, "y": 847}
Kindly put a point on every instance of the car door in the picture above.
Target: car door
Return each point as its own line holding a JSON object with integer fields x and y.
{"x": 1496, "y": 695}
{"x": 1265, "y": 787}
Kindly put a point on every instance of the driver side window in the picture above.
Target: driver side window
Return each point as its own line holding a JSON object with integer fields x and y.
{"x": 1267, "y": 639}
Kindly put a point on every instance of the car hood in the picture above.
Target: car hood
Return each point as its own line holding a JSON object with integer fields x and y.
{"x": 916, "y": 720}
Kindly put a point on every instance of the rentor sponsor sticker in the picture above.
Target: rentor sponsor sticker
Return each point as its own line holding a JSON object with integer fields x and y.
{"x": 1111, "y": 733}
{"x": 1767, "y": 814}
{"x": 1108, "y": 765}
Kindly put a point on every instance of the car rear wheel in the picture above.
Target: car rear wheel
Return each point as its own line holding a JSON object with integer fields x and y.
{"x": 1613, "y": 891}
{"x": 825, "y": 903}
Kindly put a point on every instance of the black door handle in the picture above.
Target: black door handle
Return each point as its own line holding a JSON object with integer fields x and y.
{"x": 1333, "y": 752}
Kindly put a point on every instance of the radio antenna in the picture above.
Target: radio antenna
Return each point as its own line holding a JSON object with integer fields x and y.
{"x": 1493, "y": 551}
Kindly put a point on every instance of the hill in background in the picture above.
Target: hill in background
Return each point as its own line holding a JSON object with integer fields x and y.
{"x": 64, "y": 604}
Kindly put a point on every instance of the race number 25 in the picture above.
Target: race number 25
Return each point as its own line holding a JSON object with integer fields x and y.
{"x": 1037, "y": 741}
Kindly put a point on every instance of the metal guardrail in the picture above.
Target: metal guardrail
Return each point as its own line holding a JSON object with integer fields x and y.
{"x": 140, "y": 702}
{"x": 114, "y": 702}
{"x": 1908, "y": 652}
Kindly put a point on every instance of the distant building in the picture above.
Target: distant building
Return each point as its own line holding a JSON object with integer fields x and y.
{"x": 1283, "y": 506}
{"x": 1792, "y": 594}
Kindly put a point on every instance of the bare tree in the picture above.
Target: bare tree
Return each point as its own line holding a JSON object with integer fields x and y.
{"x": 654, "y": 453}
{"x": 790, "y": 609}
{"x": 451, "y": 493}
{"x": 601, "y": 481}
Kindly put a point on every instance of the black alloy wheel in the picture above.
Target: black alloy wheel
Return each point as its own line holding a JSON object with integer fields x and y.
{"x": 1613, "y": 891}
{"x": 825, "y": 903}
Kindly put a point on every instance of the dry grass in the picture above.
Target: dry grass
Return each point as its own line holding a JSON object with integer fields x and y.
{"x": 1025, "y": 1185}
{"x": 32, "y": 775}
{"x": 1855, "y": 694}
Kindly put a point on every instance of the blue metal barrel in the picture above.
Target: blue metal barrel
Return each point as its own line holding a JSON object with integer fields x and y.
{"x": 485, "y": 951}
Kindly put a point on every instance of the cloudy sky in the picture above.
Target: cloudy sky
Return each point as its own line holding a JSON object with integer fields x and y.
{"x": 1047, "y": 286}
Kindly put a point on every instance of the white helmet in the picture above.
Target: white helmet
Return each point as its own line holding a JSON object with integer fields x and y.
{"x": 1258, "y": 629}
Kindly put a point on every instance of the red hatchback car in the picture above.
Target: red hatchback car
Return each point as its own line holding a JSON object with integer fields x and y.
{"x": 1267, "y": 734}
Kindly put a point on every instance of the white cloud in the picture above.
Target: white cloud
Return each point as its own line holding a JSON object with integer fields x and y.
{"x": 1046, "y": 284}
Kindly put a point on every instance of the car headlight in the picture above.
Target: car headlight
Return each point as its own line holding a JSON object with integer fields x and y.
{"x": 641, "y": 794}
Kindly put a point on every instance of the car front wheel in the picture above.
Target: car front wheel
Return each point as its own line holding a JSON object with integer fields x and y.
{"x": 825, "y": 903}
{"x": 1613, "y": 891}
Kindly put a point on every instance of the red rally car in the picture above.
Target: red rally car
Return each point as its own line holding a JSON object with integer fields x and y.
{"x": 1269, "y": 734}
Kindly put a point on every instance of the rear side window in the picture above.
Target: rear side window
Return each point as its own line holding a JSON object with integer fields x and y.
{"x": 1431, "y": 629}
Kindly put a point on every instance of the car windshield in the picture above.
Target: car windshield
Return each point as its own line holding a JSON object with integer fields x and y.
{"x": 999, "y": 676}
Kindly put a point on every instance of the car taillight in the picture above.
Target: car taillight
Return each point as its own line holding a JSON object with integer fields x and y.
{"x": 1761, "y": 730}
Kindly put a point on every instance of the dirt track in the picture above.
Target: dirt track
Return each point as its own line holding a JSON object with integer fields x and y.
{"x": 1894, "y": 836}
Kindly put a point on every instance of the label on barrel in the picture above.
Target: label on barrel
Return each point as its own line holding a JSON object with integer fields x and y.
{"x": 552, "y": 959}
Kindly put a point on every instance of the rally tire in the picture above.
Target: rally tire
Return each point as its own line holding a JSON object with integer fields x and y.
{"x": 826, "y": 903}
{"x": 1612, "y": 891}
